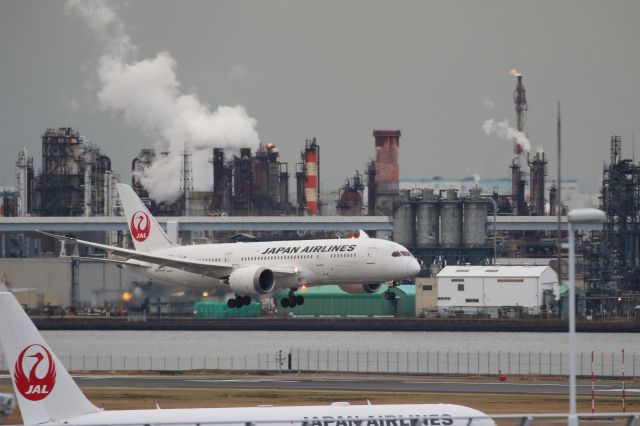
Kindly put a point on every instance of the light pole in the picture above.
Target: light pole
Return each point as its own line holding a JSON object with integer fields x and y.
{"x": 577, "y": 216}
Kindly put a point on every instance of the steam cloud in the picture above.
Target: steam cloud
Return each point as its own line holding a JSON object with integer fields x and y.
{"x": 148, "y": 94}
{"x": 489, "y": 103}
{"x": 503, "y": 130}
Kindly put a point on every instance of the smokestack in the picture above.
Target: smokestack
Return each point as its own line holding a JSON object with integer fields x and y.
{"x": 520, "y": 102}
{"x": 22, "y": 165}
{"x": 371, "y": 188}
{"x": 311, "y": 158}
{"x": 518, "y": 163}
{"x": 186, "y": 185}
{"x": 89, "y": 160}
{"x": 387, "y": 143}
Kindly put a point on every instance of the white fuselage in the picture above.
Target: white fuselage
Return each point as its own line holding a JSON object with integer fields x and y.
{"x": 334, "y": 415}
{"x": 317, "y": 262}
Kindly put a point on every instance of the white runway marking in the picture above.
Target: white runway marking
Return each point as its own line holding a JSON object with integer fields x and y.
{"x": 500, "y": 384}
{"x": 627, "y": 390}
{"x": 243, "y": 381}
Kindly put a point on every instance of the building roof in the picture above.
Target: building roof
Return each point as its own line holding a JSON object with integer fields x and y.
{"x": 491, "y": 271}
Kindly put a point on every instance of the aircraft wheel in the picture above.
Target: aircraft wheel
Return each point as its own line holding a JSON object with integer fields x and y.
{"x": 246, "y": 300}
{"x": 299, "y": 299}
{"x": 392, "y": 295}
{"x": 231, "y": 303}
{"x": 284, "y": 302}
{"x": 292, "y": 302}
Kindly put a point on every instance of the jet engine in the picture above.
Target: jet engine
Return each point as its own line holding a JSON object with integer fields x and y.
{"x": 360, "y": 288}
{"x": 252, "y": 281}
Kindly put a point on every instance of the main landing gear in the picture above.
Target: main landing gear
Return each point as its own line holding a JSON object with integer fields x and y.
{"x": 239, "y": 301}
{"x": 293, "y": 300}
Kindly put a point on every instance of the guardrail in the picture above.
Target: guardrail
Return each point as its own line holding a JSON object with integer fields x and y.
{"x": 541, "y": 363}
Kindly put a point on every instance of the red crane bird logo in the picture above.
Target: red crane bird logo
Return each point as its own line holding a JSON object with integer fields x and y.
{"x": 140, "y": 226}
{"x": 32, "y": 387}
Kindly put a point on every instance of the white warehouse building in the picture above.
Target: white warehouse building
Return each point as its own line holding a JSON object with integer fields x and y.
{"x": 475, "y": 288}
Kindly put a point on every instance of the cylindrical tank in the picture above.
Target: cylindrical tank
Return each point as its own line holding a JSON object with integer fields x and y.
{"x": 404, "y": 223}
{"x": 350, "y": 203}
{"x": 475, "y": 220}
{"x": 427, "y": 220}
{"x": 451, "y": 220}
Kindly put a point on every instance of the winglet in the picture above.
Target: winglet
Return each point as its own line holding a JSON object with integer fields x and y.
{"x": 362, "y": 234}
{"x": 44, "y": 389}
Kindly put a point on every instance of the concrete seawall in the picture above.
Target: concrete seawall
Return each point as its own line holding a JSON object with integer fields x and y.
{"x": 332, "y": 324}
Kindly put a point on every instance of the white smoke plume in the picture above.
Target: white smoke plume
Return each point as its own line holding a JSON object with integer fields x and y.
{"x": 148, "y": 94}
{"x": 488, "y": 102}
{"x": 503, "y": 130}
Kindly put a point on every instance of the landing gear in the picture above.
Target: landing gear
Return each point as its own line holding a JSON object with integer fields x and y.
{"x": 390, "y": 295}
{"x": 239, "y": 301}
{"x": 292, "y": 300}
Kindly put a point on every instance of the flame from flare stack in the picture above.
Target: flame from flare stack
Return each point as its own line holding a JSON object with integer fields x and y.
{"x": 514, "y": 72}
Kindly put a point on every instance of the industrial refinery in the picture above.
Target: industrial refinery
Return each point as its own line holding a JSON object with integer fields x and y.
{"x": 469, "y": 221}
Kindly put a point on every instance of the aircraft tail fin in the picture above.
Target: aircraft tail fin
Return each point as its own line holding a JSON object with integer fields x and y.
{"x": 44, "y": 389}
{"x": 144, "y": 229}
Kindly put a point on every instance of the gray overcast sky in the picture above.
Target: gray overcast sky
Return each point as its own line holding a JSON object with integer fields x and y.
{"x": 336, "y": 70}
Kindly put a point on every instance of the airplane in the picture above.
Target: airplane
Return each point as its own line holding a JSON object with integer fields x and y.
{"x": 47, "y": 395}
{"x": 258, "y": 269}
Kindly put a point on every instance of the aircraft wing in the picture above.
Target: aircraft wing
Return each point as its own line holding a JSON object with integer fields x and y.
{"x": 211, "y": 269}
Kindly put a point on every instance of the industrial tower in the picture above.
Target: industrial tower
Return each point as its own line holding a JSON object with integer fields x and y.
{"x": 517, "y": 174}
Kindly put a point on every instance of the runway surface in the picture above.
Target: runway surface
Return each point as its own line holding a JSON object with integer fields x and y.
{"x": 371, "y": 384}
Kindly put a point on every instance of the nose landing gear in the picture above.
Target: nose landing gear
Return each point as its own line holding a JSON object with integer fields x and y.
{"x": 292, "y": 300}
{"x": 390, "y": 295}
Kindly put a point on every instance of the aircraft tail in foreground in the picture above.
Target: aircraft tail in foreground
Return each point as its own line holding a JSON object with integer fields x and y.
{"x": 44, "y": 389}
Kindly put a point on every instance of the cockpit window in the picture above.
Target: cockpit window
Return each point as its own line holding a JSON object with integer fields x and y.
{"x": 396, "y": 254}
{"x": 405, "y": 253}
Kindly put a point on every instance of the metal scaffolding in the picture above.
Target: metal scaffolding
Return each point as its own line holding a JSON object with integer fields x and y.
{"x": 612, "y": 259}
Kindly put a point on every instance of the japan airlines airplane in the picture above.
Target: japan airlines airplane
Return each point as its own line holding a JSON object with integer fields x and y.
{"x": 255, "y": 270}
{"x": 47, "y": 395}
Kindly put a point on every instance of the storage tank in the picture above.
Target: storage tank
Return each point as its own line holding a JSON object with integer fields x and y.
{"x": 350, "y": 203}
{"x": 428, "y": 220}
{"x": 404, "y": 223}
{"x": 475, "y": 219}
{"x": 451, "y": 220}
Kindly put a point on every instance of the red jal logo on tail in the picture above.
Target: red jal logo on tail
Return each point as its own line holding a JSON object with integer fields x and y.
{"x": 140, "y": 226}
{"x": 30, "y": 385}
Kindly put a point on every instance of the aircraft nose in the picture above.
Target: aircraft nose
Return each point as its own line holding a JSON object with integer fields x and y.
{"x": 413, "y": 267}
